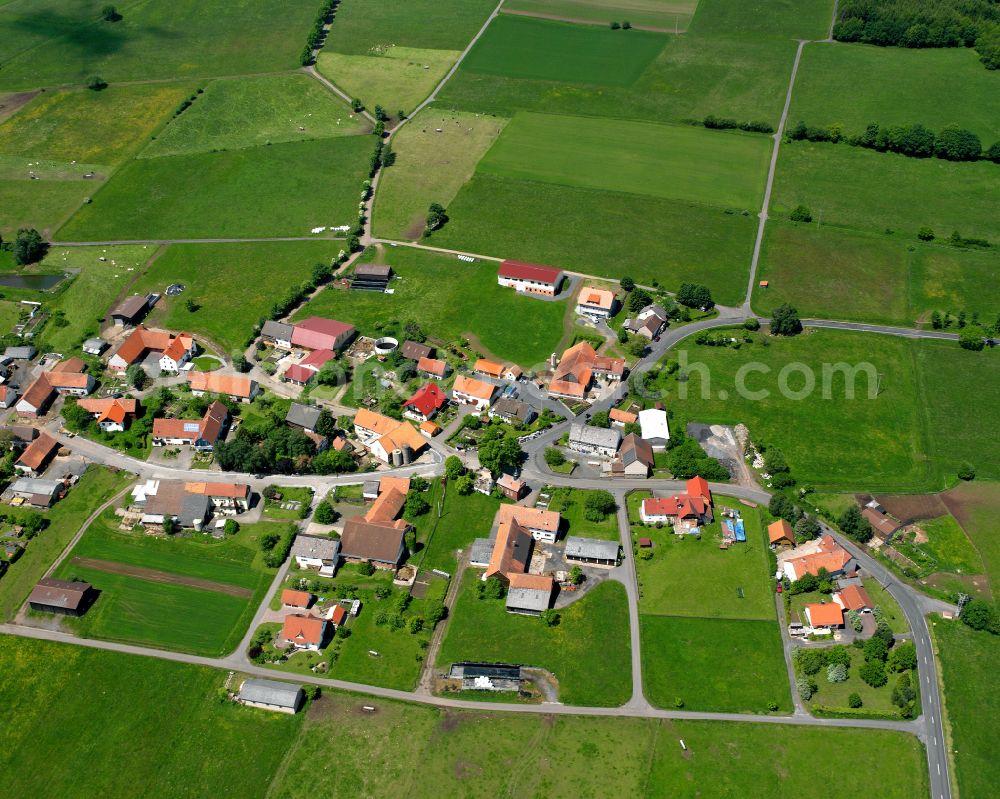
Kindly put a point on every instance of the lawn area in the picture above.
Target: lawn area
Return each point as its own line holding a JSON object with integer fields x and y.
{"x": 481, "y": 629}
{"x": 603, "y": 233}
{"x": 159, "y": 728}
{"x": 41, "y": 204}
{"x": 65, "y": 520}
{"x": 724, "y": 665}
{"x": 95, "y": 128}
{"x": 449, "y": 299}
{"x": 430, "y": 167}
{"x": 397, "y": 78}
{"x": 272, "y": 507}
{"x": 832, "y": 697}
{"x": 527, "y": 48}
{"x": 421, "y": 752}
{"x": 235, "y": 285}
{"x": 463, "y": 519}
{"x": 364, "y": 26}
{"x": 673, "y": 15}
{"x": 10, "y": 314}
{"x": 896, "y": 86}
{"x": 255, "y": 192}
{"x": 245, "y": 112}
{"x": 864, "y": 189}
{"x": 681, "y": 163}
{"x": 968, "y": 662}
{"x": 569, "y": 502}
{"x": 891, "y": 611}
{"x": 948, "y": 279}
{"x": 69, "y": 42}
{"x": 912, "y": 435}
{"x": 687, "y": 577}
{"x": 165, "y": 614}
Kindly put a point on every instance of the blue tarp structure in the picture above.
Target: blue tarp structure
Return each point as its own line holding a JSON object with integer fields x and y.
{"x": 740, "y": 532}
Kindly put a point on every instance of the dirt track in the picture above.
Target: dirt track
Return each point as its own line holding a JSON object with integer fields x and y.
{"x": 111, "y": 567}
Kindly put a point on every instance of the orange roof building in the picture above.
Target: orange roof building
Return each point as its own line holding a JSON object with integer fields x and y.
{"x": 488, "y": 368}
{"x": 143, "y": 341}
{"x": 690, "y": 508}
{"x": 469, "y": 391}
{"x": 542, "y": 524}
{"x": 824, "y": 553}
{"x": 781, "y": 532}
{"x": 852, "y": 597}
{"x": 592, "y": 301}
{"x": 237, "y": 387}
{"x": 618, "y": 416}
{"x": 511, "y": 551}
{"x": 37, "y": 454}
{"x": 383, "y": 435}
{"x": 296, "y": 599}
{"x": 577, "y": 369}
{"x": 303, "y": 631}
{"x": 433, "y": 367}
{"x": 829, "y": 614}
{"x": 111, "y": 414}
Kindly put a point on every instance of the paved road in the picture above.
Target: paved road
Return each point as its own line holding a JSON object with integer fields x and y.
{"x": 115, "y": 242}
{"x": 631, "y": 583}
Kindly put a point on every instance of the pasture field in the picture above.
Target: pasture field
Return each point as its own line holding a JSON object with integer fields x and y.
{"x": 172, "y": 615}
{"x": 99, "y": 129}
{"x": 603, "y": 233}
{"x": 695, "y": 578}
{"x": 868, "y": 190}
{"x": 569, "y": 502}
{"x": 235, "y": 285}
{"x": 256, "y": 192}
{"x": 681, "y": 163}
{"x": 65, "y": 520}
{"x": 791, "y": 19}
{"x": 397, "y": 78}
{"x": 968, "y": 661}
{"x": 448, "y": 299}
{"x": 463, "y": 519}
{"x": 159, "y": 729}
{"x": 534, "y": 49}
{"x": 41, "y": 204}
{"x": 891, "y": 441}
{"x": 896, "y": 86}
{"x": 977, "y": 508}
{"x": 245, "y": 112}
{"x": 10, "y": 314}
{"x": 724, "y": 665}
{"x": 362, "y": 26}
{"x": 54, "y": 43}
{"x": 673, "y": 15}
{"x": 430, "y": 167}
{"x": 426, "y": 752}
{"x": 950, "y": 279}
{"x": 481, "y": 629}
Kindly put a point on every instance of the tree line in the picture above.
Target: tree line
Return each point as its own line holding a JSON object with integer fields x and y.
{"x": 315, "y": 37}
{"x": 923, "y": 23}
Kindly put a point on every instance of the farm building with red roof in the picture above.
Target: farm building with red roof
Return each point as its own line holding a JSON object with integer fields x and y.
{"x": 530, "y": 278}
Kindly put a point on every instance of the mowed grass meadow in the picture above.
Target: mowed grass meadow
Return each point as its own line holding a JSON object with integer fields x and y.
{"x": 449, "y": 298}
{"x": 282, "y": 190}
{"x": 670, "y": 15}
{"x": 683, "y": 163}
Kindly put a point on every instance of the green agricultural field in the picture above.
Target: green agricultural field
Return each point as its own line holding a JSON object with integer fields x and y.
{"x": 912, "y": 435}
{"x": 463, "y": 519}
{"x": 237, "y": 113}
{"x": 158, "y": 728}
{"x": 481, "y": 629}
{"x": 968, "y": 662}
{"x": 671, "y": 15}
{"x": 65, "y": 519}
{"x": 569, "y": 503}
{"x": 397, "y": 78}
{"x": 858, "y": 188}
{"x": 235, "y": 285}
{"x": 41, "y": 204}
{"x": 896, "y": 86}
{"x": 284, "y": 190}
{"x": 93, "y": 128}
{"x": 172, "y": 615}
{"x": 681, "y": 163}
{"x": 723, "y": 665}
{"x": 947, "y": 548}
{"x": 792, "y": 19}
{"x": 948, "y": 279}
{"x": 449, "y": 299}
{"x": 534, "y": 49}
{"x": 687, "y": 577}
{"x": 603, "y": 233}
{"x": 69, "y": 42}
{"x": 426, "y": 752}
{"x": 977, "y": 508}
{"x": 430, "y": 167}
{"x": 364, "y": 26}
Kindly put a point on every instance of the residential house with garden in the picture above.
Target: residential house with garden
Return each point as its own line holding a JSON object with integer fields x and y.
{"x": 687, "y": 512}
{"x": 470, "y": 391}
{"x": 579, "y": 367}
{"x": 239, "y": 388}
{"x": 202, "y": 434}
{"x": 595, "y": 303}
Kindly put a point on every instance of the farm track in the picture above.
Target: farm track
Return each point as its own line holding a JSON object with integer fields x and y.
{"x": 157, "y": 576}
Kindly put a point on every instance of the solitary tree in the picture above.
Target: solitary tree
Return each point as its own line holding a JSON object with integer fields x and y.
{"x": 453, "y": 467}
{"x": 801, "y": 213}
{"x": 627, "y": 283}
{"x": 785, "y": 321}
{"x": 110, "y": 14}
{"x": 29, "y": 246}
{"x": 436, "y": 217}
{"x": 325, "y": 514}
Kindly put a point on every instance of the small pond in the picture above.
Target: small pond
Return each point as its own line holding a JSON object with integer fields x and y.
{"x": 33, "y": 282}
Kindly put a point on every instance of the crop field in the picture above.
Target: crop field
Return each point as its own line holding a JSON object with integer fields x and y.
{"x": 260, "y": 191}
{"x": 397, "y": 78}
{"x": 245, "y": 112}
{"x": 682, "y": 163}
{"x": 864, "y": 189}
{"x": 896, "y": 86}
{"x": 233, "y": 285}
{"x": 41, "y": 204}
{"x": 65, "y": 520}
{"x": 687, "y": 577}
{"x": 152, "y": 40}
{"x": 603, "y": 233}
{"x": 427, "y": 752}
{"x": 913, "y": 434}
{"x": 364, "y": 25}
{"x": 449, "y": 298}
{"x": 670, "y": 15}
{"x": 430, "y": 167}
{"x": 521, "y": 47}
{"x": 99, "y": 129}
{"x": 724, "y": 665}
{"x": 481, "y": 629}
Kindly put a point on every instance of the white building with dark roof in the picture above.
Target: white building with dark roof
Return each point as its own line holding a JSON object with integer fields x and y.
{"x": 281, "y": 697}
{"x": 594, "y": 440}
{"x": 591, "y": 550}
